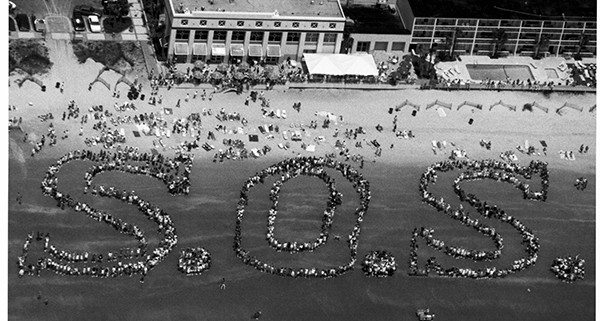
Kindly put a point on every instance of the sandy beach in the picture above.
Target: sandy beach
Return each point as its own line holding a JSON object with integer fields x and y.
{"x": 565, "y": 223}
{"x": 358, "y": 108}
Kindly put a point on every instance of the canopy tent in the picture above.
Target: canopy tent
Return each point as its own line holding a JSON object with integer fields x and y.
{"x": 341, "y": 65}
{"x": 199, "y": 49}
{"x": 181, "y": 48}
{"x": 501, "y": 103}
{"x": 218, "y": 50}
{"x": 273, "y": 51}
{"x": 236, "y": 50}
{"x": 568, "y": 105}
{"x": 439, "y": 104}
{"x": 536, "y": 105}
{"x": 255, "y": 50}
{"x": 407, "y": 103}
{"x": 470, "y": 104}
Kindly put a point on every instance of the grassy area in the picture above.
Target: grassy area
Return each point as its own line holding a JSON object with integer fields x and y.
{"x": 29, "y": 55}
{"x": 122, "y": 56}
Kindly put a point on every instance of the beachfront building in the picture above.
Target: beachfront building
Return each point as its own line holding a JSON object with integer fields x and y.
{"x": 377, "y": 26}
{"x": 505, "y": 37}
{"x": 251, "y": 30}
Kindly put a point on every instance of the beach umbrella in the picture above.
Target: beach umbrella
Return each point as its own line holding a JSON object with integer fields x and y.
{"x": 217, "y": 75}
{"x": 404, "y": 68}
{"x": 243, "y": 67}
{"x": 222, "y": 68}
{"x": 199, "y": 65}
{"x": 198, "y": 74}
{"x": 238, "y": 75}
{"x": 271, "y": 72}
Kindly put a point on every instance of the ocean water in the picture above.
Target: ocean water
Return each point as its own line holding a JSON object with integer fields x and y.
{"x": 565, "y": 225}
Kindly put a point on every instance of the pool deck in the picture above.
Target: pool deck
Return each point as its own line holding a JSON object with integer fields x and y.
{"x": 457, "y": 70}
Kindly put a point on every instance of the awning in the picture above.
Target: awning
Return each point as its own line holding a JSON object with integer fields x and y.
{"x": 181, "y": 48}
{"x": 340, "y": 64}
{"x": 273, "y": 51}
{"x": 218, "y": 50}
{"x": 200, "y": 49}
{"x": 236, "y": 49}
{"x": 255, "y": 50}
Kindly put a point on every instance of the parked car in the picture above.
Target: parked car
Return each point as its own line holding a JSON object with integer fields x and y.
{"x": 11, "y": 7}
{"x": 11, "y": 24}
{"x": 78, "y": 24}
{"x": 23, "y": 22}
{"x": 39, "y": 25}
{"x": 94, "y": 22}
{"x": 86, "y": 11}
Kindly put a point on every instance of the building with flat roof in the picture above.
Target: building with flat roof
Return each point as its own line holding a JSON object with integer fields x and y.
{"x": 257, "y": 30}
{"x": 504, "y": 37}
{"x": 513, "y": 27}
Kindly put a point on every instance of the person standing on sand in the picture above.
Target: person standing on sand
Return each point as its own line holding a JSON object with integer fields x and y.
{"x": 19, "y": 198}
{"x": 222, "y": 284}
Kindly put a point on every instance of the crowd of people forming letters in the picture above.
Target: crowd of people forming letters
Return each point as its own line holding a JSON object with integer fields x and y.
{"x": 158, "y": 166}
{"x": 290, "y": 168}
{"x": 477, "y": 170}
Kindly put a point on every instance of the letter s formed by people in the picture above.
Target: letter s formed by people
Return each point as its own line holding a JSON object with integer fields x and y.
{"x": 477, "y": 170}
{"x": 290, "y": 168}
{"x": 76, "y": 263}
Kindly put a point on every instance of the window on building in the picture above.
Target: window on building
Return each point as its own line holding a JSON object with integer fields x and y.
{"x": 201, "y": 35}
{"x": 332, "y": 25}
{"x": 314, "y": 24}
{"x": 329, "y": 37}
{"x": 363, "y": 46}
{"x": 311, "y": 37}
{"x": 258, "y": 23}
{"x": 219, "y": 35}
{"x": 221, "y": 23}
{"x": 182, "y": 35}
{"x": 293, "y": 37}
{"x": 277, "y": 24}
{"x": 203, "y": 22}
{"x": 272, "y": 60}
{"x": 381, "y": 46}
{"x": 398, "y": 46}
{"x": 240, "y": 23}
{"x": 238, "y": 36}
{"x": 275, "y": 37}
{"x": 295, "y": 24}
{"x": 257, "y": 36}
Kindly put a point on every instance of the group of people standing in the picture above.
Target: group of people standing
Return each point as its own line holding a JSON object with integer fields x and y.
{"x": 335, "y": 199}
{"x": 65, "y": 262}
{"x": 299, "y": 165}
{"x": 490, "y": 169}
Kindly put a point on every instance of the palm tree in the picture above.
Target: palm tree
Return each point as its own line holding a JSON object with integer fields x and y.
{"x": 583, "y": 41}
{"x": 541, "y": 45}
{"x": 499, "y": 38}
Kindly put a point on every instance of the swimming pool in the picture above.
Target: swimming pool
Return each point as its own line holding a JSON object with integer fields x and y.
{"x": 499, "y": 72}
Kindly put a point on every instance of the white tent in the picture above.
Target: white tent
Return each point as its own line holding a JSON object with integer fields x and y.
{"x": 341, "y": 65}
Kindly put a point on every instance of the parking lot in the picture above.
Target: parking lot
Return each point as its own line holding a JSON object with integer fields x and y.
{"x": 42, "y": 8}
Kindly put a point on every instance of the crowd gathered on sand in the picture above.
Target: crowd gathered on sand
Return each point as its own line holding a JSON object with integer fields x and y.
{"x": 103, "y": 130}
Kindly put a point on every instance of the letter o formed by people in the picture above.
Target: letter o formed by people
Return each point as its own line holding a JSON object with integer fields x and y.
{"x": 291, "y": 168}
{"x": 335, "y": 199}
